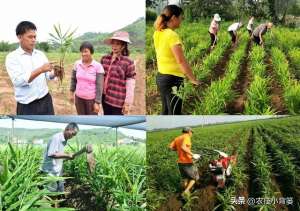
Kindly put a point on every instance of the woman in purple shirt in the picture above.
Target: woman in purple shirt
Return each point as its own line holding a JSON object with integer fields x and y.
{"x": 87, "y": 82}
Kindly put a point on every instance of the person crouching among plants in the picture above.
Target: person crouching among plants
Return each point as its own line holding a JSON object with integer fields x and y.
{"x": 182, "y": 144}
{"x": 87, "y": 82}
{"x": 54, "y": 156}
{"x": 232, "y": 30}
{"x": 213, "y": 30}
{"x": 171, "y": 62}
{"x": 119, "y": 78}
{"x": 259, "y": 31}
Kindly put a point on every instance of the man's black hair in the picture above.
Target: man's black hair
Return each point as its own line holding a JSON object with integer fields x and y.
{"x": 25, "y": 26}
{"x": 72, "y": 126}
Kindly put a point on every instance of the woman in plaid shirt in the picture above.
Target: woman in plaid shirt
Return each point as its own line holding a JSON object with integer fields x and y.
{"x": 119, "y": 78}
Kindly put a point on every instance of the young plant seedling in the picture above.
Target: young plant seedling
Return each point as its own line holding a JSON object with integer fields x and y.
{"x": 64, "y": 41}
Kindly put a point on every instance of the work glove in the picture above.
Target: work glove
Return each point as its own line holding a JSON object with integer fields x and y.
{"x": 196, "y": 156}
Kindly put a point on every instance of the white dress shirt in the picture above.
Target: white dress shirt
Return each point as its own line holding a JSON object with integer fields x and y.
{"x": 19, "y": 65}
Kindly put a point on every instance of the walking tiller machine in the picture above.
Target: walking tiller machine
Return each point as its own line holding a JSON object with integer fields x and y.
{"x": 220, "y": 169}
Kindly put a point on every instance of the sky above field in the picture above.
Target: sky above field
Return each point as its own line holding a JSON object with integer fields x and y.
{"x": 164, "y": 122}
{"x": 173, "y": 1}
{"x": 19, "y": 123}
{"x": 87, "y": 15}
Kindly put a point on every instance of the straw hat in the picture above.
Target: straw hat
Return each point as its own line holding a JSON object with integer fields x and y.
{"x": 119, "y": 35}
{"x": 217, "y": 17}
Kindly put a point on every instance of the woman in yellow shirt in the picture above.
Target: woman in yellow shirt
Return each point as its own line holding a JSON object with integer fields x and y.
{"x": 171, "y": 63}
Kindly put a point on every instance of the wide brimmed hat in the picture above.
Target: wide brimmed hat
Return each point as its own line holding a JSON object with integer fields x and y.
{"x": 119, "y": 35}
{"x": 217, "y": 17}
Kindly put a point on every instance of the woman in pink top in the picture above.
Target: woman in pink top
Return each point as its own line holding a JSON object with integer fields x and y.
{"x": 213, "y": 30}
{"x": 87, "y": 82}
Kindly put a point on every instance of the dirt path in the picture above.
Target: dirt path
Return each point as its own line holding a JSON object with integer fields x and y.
{"x": 80, "y": 197}
{"x": 139, "y": 104}
{"x": 276, "y": 91}
{"x": 60, "y": 92}
{"x": 172, "y": 204}
{"x": 241, "y": 85}
{"x": 220, "y": 68}
{"x": 203, "y": 199}
{"x": 7, "y": 100}
{"x": 203, "y": 195}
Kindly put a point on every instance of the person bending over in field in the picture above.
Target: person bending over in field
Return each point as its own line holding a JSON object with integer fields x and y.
{"x": 250, "y": 26}
{"x": 213, "y": 30}
{"x": 119, "y": 78}
{"x": 87, "y": 82}
{"x": 260, "y": 31}
{"x": 171, "y": 62}
{"x": 182, "y": 144}
{"x": 54, "y": 156}
{"x": 29, "y": 70}
{"x": 232, "y": 30}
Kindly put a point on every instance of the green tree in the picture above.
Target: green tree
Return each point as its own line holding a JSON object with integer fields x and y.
{"x": 4, "y": 46}
{"x": 151, "y": 3}
{"x": 207, "y": 8}
{"x": 44, "y": 46}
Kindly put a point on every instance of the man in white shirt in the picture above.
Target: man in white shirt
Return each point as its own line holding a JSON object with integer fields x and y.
{"x": 232, "y": 29}
{"x": 29, "y": 70}
{"x": 54, "y": 155}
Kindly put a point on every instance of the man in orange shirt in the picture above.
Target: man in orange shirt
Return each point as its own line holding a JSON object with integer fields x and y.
{"x": 182, "y": 144}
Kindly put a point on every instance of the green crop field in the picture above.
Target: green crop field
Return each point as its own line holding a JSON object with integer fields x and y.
{"x": 245, "y": 79}
{"x": 117, "y": 183}
{"x": 267, "y": 166}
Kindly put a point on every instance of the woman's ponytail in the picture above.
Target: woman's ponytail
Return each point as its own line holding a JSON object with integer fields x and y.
{"x": 162, "y": 20}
